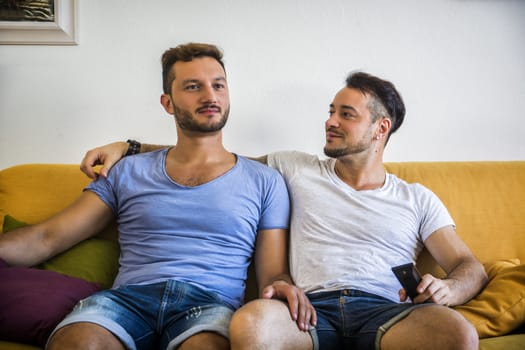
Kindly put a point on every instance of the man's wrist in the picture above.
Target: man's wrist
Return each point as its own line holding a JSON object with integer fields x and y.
{"x": 133, "y": 148}
{"x": 280, "y": 282}
{"x": 282, "y": 279}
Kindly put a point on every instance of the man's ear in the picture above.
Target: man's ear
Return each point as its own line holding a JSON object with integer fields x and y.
{"x": 384, "y": 126}
{"x": 167, "y": 103}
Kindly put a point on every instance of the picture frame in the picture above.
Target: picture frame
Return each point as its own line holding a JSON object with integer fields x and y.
{"x": 63, "y": 31}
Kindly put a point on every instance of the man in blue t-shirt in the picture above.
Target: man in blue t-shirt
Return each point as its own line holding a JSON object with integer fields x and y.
{"x": 189, "y": 218}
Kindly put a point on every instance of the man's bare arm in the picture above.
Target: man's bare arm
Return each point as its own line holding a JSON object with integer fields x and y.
{"x": 465, "y": 274}
{"x": 34, "y": 244}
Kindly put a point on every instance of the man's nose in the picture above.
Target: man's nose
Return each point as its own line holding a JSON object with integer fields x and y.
{"x": 332, "y": 121}
{"x": 208, "y": 94}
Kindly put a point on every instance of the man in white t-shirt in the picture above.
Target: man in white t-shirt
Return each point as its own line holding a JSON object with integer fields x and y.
{"x": 351, "y": 222}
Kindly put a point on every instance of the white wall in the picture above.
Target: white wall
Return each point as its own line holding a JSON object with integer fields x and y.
{"x": 460, "y": 65}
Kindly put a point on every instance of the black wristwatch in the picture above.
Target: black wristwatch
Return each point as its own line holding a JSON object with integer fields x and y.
{"x": 134, "y": 148}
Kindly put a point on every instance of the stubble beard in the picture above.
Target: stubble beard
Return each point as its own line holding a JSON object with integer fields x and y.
{"x": 186, "y": 121}
{"x": 336, "y": 152}
{"x": 347, "y": 149}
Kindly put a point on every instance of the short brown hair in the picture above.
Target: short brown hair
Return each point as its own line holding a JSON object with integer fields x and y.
{"x": 186, "y": 53}
{"x": 384, "y": 97}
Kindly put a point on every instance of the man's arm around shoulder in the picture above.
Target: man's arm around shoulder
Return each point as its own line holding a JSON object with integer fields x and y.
{"x": 108, "y": 155}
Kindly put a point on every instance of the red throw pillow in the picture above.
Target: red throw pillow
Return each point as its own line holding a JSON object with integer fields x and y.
{"x": 34, "y": 301}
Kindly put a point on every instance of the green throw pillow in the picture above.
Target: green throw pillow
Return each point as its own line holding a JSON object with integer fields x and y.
{"x": 10, "y": 223}
{"x": 93, "y": 260}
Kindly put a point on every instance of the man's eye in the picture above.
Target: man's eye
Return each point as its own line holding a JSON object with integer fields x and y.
{"x": 191, "y": 87}
{"x": 219, "y": 86}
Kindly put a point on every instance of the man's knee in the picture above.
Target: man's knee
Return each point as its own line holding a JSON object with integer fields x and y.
{"x": 459, "y": 332}
{"x": 432, "y": 327}
{"x": 247, "y": 325}
{"x": 466, "y": 335}
{"x": 84, "y": 335}
{"x": 266, "y": 324}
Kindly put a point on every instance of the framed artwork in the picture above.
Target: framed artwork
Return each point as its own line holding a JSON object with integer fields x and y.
{"x": 38, "y": 22}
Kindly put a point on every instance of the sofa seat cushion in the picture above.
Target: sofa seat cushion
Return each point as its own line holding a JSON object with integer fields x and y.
{"x": 17, "y": 346}
{"x": 507, "y": 342}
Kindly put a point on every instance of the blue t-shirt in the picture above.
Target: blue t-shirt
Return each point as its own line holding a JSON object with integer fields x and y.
{"x": 203, "y": 235}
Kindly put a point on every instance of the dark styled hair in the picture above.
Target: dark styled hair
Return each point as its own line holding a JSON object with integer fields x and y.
{"x": 185, "y": 53}
{"x": 386, "y": 100}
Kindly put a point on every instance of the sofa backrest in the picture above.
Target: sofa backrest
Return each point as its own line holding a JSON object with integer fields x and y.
{"x": 33, "y": 192}
{"x": 486, "y": 200}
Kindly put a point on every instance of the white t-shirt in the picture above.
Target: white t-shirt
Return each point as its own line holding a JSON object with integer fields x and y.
{"x": 341, "y": 238}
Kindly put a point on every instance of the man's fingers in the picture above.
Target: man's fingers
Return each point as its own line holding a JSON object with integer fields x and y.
{"x": 268, "y": 292}
{"x": 87, "y": 166}
{"x": 293, "y": 305}
{"x": 104, "y": 172}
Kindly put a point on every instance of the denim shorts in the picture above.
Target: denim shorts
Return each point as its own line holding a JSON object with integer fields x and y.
{"x": 154, "y": 316}
{"x": 352, "y": 319}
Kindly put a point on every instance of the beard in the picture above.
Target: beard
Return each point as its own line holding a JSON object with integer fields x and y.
{"x": 186, "y": 121}
{"x": 346, "y": 149}
{"x": 336, "y": 152}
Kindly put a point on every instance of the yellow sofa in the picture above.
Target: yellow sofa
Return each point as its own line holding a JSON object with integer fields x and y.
{"x": 486, "y": 199}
